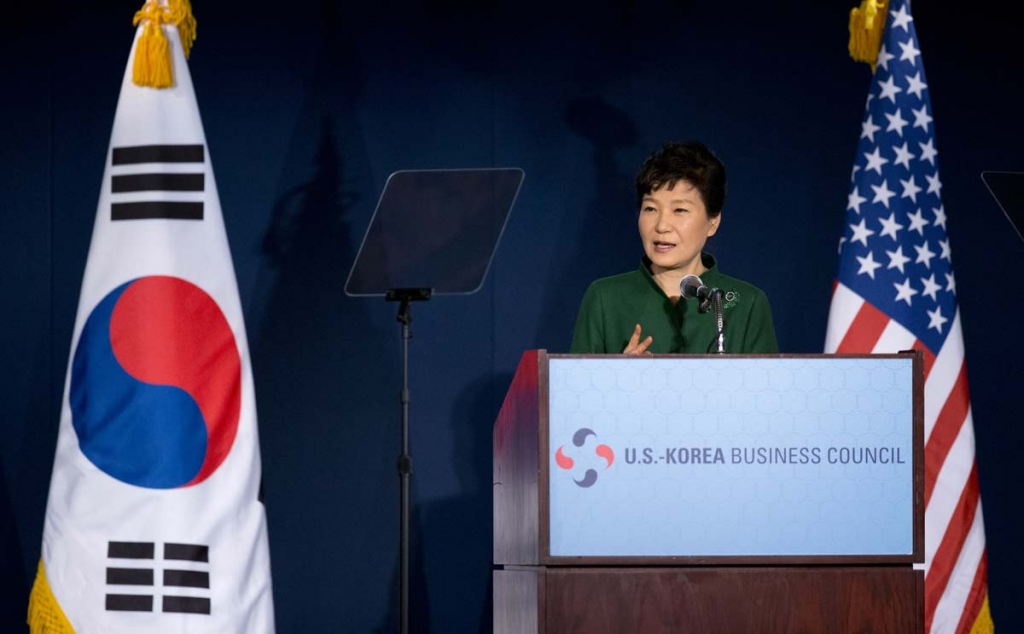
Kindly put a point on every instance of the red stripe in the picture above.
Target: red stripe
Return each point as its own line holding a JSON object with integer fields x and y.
{"x": 835, "y": 285}
{"x": 949, "y": 550}
{"x": 947, "y": 426}
{"x": 979, "y": 589}
{"x": 928, "y": 357}
{"x": 864, "y": 332}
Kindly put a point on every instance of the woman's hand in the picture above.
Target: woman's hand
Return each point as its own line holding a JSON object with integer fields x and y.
{"x": 635, "y": 346}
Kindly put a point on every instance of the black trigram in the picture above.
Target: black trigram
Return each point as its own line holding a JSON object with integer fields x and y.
{"x": 143, "y": 579}
{"x": 164, "y": 193}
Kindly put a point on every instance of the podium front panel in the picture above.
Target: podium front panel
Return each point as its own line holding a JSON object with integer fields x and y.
{"x": 731, "y": 456}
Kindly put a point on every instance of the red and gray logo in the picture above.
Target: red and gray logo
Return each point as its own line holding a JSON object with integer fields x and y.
{"x": 578, "y": 440}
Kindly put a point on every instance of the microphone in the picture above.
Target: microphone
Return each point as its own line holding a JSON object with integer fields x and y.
{"x": 691, "y": 287}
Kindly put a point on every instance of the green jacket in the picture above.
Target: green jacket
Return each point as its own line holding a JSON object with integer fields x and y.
{"x": 612, "y": 306}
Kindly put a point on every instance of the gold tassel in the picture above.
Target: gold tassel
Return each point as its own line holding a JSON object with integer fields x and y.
{"x": 983, "y": 624}
{"x": 866, "y": 25}
{"x": 152, "y": 64}
{"x": 44, "y": 613}
{"x": 181, "y": 14}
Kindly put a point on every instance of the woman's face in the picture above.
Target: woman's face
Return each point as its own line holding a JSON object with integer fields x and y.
{"x": 674, "y": 225}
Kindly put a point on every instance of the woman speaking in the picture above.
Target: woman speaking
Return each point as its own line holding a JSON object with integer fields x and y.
{"x": 680, "y": 192}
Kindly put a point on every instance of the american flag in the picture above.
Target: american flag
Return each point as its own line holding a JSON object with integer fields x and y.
{"x": 895, "y": 290}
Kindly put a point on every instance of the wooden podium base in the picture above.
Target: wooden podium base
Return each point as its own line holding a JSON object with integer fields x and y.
{"x": 767, "y": 600}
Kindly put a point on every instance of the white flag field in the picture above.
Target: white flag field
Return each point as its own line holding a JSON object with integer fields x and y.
{"x": 153, "y": 522}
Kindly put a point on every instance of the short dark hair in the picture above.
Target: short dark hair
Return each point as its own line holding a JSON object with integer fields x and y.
{"x": 689, "y": 161}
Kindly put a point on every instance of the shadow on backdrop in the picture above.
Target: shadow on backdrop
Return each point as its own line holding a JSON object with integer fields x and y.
{"x": 25, "y": 474}
{"x": 454, "y": 534}
{"x": 13, "y": 601}
{"x": 591, "y": 243}
{"x": 324, "y": 392}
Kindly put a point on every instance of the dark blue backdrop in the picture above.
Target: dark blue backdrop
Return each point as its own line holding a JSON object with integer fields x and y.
{"x": 309, "y": 106}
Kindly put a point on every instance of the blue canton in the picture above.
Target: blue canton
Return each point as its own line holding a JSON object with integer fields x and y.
{"x": 894, "y": 251}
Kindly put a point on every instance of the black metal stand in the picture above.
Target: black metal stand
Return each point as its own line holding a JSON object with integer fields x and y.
{"x": 406, "y": 296}
{"x": 470, "y": 207}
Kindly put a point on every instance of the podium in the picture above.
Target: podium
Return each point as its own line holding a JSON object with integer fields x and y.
{"x": 688, "y": 493}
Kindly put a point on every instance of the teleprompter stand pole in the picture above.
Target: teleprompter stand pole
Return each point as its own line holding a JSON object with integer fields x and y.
{"x": 406, "y": 296}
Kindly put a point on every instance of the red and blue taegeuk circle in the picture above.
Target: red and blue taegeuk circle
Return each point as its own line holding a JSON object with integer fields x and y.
{"x": 156, "y": 384}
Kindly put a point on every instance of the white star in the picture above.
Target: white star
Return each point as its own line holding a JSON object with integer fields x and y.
{"x": 940, "y": 217}
{"x": 841, "y": 241}
{"x": 950, "y": 283}
{"x": 889, "y": 90}
{"x": 883, "y": 57}
{"x": 904, "y": 291}
{"x": 917, "y": 222}
{"x": 897, "y": 259}
{"x": 882, "y": 194}
{"x": 921, "y": 118}
{"x": 910, "y": 189}
{"x": 868, "y": 265}
{"x": 924, "y": 255}
{"x": 928, "y": 151}
{"x": 861, "y": 232}
{"x": 903, "y": 155}
{"x": 854, "y": 200}
{"x": 901, "y": 19}
{"x": 868, "y": 129}
{"x": 909, "y": 52}
{"x": 916, "y": 86}
{"x": 875, "y": 161}
{"x": 890, "y": 227}
{"x": 934, "y": 185}
{"x": 930, "y": 287}
{"x": 853, "y": 172}
{"x": 936, "y": 319}
{"x": 946, "y": 252}
{"x": 896, "y": 122}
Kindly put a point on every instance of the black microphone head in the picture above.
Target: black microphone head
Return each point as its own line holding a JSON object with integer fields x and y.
{"x": 690, "y": 287}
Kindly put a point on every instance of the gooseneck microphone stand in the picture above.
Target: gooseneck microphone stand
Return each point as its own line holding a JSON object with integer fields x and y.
{"x": 406, "y": 296}
{"x": 691, "y": 287}
{"x": 716, "y": 299}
